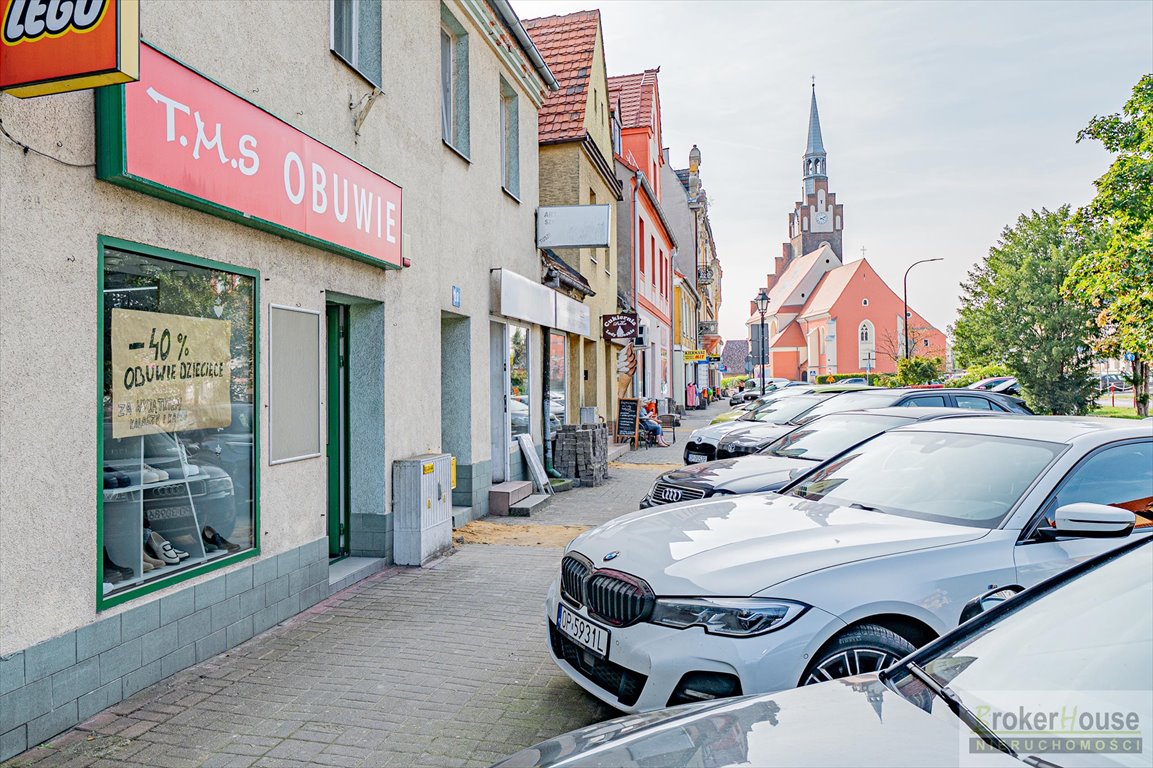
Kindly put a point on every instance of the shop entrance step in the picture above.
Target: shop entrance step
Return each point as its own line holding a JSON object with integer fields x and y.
{"x": 502, "y": 496}
{"x": 534, "y": 503}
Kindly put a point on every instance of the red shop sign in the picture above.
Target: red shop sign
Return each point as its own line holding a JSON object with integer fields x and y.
{"x": 180, "y": 136}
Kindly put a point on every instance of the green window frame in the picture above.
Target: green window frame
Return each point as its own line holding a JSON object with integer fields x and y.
{"x": 104, "y": 245}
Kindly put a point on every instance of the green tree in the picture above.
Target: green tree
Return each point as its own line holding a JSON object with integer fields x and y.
{"x": 919, "y": 370}
{"x": 1116, "y": 277}
{"x": 1013, "y": 312}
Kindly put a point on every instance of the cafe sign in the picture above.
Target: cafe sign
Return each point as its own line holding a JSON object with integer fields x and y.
{"x": 179, "y": 136}
{"x": 56, "y": 46}
{"x": 620, "y": 326}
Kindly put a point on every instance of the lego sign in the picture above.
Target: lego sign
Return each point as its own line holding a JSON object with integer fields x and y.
{"x": 56, "y": 46}
{"x": 177, "y": 135}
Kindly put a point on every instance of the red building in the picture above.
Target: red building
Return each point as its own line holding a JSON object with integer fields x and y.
{"x": 826, "y": 316}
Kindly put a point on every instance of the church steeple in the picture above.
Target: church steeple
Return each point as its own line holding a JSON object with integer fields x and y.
{"x": 817, "y": 217}
{"x": 813, "y": 167}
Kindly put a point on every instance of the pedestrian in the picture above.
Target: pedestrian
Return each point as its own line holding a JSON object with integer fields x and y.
{"x": 651, "y": 424}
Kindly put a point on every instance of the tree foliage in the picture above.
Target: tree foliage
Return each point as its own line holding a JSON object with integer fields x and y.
{"x": 919, "y": 370}
{"x": 1013, "y": 312}
{"x": 1116, "y": 277}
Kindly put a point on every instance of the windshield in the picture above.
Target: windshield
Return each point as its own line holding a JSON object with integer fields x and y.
{"x": 781, "y": 411}
{"x": 971, "y": 480}
{"x": 856, "y": 401}
{"x": 826, "y": 437}
{"x": 1083, "y": 651}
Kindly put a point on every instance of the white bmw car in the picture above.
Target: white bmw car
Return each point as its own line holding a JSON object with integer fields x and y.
{"x": 848, "y": 569}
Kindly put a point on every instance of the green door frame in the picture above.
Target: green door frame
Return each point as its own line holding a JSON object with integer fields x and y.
{"x": 339, "y": 517}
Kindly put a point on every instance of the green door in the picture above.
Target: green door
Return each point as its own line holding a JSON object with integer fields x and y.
{"x": 337, "y": 450}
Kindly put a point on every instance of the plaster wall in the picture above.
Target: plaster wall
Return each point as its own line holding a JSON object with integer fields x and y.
{"x": 458, "y": 225}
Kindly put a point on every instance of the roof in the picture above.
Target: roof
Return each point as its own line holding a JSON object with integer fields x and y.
{"x": 551, "y": 259}
{"x": 827, "y": 292}
{"x": 1054, "y": 429}
{"x": 636, "y": 94}
{"x": 733, "y": 354}
{"x": 792, "y": 277}
{"x": 683, "y": 177}
{"x": 790, "y": 336}
{"x": 567, "y": 44}
{"x": 815, "y": 146}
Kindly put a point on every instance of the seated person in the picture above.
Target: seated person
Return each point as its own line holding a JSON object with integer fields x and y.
{"x": 650, "y": 424}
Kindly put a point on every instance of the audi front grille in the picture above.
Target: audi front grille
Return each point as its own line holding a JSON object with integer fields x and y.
{"x": 667, "y": 493}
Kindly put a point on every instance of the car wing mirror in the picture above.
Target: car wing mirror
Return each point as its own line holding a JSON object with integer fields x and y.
{"x": 982, "y": 603}
{"x": 1089, "y": 521}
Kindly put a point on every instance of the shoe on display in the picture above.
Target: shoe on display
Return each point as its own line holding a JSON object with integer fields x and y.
{"x": 159, "y": 474}
{"x": 156, "y": 546}
{"x": 152, "y": 561}
{"x": 148, "y": 566}
{"x": 114, "y": 478}
{"x": 214, "y": 538}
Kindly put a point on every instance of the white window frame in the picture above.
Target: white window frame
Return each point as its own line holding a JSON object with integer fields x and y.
{"x": 352, "y": 61}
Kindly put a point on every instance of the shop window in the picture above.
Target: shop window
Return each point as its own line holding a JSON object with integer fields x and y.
{"x": 356, "y": 36}
{"x": 454, "y": 122}
{"x": 520, "y": 381}
{"x": 510, "y": 139}
{"x": 557, "y": 379}
{"x": 178, "y": 419}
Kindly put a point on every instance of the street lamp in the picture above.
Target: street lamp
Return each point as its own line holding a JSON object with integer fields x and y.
{"x": 762, "y": 303}
{"x": 905, "y": 317}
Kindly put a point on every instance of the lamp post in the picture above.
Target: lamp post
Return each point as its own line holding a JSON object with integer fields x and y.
{"x": 762, "y": 303}
{"x": 905, "y": 317}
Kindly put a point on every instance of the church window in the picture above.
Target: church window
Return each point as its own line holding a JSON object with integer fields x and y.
{"x": 864, "y": 332}
{"x": 926, "y": 342}
{"x": 866, "y": 347}
{"x": 864, "y": 302}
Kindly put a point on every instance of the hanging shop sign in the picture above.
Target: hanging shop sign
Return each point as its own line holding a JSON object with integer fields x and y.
{"x": 56, "y": 46}
{"x": 573, "y": 226}
{"x": 177, "y": 135}
{"x": 620, "y": 326}
{"x": 169, "y": 373}
{"x": 695, "y": 355}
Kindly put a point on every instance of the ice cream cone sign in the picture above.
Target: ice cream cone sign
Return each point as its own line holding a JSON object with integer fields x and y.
{"x": 626, "y": 369}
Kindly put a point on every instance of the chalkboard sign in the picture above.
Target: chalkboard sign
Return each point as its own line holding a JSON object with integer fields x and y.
{"x": 628, "y": 418}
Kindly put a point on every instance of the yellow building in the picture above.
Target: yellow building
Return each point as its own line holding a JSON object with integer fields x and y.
{"x": 576, "y": 168}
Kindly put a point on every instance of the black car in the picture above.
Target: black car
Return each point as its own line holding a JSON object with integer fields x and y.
{"x": 788, "y": 456}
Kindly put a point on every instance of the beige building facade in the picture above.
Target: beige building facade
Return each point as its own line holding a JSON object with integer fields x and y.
{"x": 283, "y": 478}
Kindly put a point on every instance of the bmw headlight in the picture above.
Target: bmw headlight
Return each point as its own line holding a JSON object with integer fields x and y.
{"x": 729, "y": 616}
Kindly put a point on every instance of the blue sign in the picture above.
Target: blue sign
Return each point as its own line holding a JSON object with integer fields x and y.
{"x": 1130, "y": 356}
{"x": 456, "y": 295}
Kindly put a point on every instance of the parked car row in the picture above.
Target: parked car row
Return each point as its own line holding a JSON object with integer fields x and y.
{"x": 866, "y": 552}
{"x": 1081, "y": 641}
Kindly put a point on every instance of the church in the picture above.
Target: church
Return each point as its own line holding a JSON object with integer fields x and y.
{"x": 826, "y": 316}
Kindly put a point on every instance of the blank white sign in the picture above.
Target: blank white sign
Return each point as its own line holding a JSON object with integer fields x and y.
{"x": 293, "y": 384}
{"x": 573, "y": 226}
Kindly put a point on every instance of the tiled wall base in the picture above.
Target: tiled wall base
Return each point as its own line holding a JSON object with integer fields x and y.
{"x": 472, "y": 485}
{"x": 56, "y": 684}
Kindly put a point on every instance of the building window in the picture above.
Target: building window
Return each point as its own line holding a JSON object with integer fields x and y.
{"x": 510, "y": 139}
{"x": 356, "y": 36}
{"x": 178, "y": 436}
{"x": 453, "y": 82}
{"x": 520, "y": 380}
{"x": 866, "y": 347}
{"x": 864, "y": 302}
{"x": 641, "y": 247}
{"x": 557, "y": 389}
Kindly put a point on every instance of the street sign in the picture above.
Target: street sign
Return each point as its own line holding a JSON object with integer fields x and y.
{"x": 1130, "y": 356}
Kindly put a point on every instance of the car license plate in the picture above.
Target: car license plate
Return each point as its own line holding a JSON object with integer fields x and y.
{"x": 697, "y": 458}
{"x": 583, "y": 631}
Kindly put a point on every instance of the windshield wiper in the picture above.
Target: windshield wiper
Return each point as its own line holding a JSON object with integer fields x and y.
{"x": 959, "y": 709}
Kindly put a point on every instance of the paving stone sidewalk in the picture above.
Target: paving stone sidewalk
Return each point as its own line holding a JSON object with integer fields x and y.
{"x": 444, "y": 665}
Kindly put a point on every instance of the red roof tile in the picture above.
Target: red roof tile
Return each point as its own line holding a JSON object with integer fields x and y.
{"x": 567, "y": 44}
{"x": 636, "y": 94}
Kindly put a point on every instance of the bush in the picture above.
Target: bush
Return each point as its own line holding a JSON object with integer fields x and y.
{"x": 919, "y": 370}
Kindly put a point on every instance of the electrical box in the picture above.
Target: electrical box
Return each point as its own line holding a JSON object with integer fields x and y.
{"x": 421, "y": 508}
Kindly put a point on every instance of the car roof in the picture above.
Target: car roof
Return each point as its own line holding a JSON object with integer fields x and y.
{"x": 846, "y": 388}
{"x": 1053, "y": 429}
{"x": 919, "y": 414}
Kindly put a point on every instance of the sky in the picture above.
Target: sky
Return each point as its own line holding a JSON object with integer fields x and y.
{"x": 943, "y": 121}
